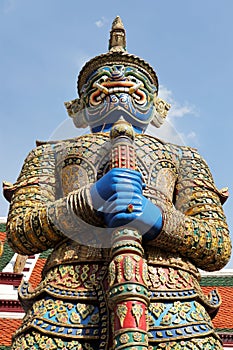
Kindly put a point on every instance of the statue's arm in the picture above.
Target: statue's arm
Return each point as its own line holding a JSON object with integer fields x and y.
{"x": 195, "y": 226}
{"x": 39, "y": 216}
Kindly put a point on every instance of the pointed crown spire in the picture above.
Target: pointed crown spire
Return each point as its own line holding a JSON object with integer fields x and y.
{"x": 117, "y": 41}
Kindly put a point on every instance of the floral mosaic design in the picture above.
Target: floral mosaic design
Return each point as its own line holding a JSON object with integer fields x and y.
{"x": 177, "y": 313}
{"x": 66, "y": 312}
{"x": 208, "y": 343}
{"x": 36, "y": 341}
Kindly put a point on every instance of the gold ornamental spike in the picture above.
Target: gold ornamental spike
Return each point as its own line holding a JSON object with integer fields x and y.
{"x": 117, "y": 41}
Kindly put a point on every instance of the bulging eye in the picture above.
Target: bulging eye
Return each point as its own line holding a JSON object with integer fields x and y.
{"x": 102, "y": 79}
{"x": 133, "y": 79}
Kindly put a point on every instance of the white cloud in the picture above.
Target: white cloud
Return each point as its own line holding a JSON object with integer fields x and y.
{"x": 168, "y": 131}
{"x": 101, "y": 22}
{"x": 165, "y": 94}
{"x": 192, "y": 135}
{"x": 177, "y": 110}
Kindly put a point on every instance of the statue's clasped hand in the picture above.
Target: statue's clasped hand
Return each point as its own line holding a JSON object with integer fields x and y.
{"x": 118, "y": 196}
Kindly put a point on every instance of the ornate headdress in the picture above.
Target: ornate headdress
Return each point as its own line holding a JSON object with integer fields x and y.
{"x": 117, "y": 55}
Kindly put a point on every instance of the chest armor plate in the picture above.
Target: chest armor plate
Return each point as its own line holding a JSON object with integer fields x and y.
{"x": 84, "y": 160}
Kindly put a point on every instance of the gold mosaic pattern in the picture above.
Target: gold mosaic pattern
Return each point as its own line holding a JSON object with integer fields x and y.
{"x": 35, "y": 341}
{"x": 194, "y": 222}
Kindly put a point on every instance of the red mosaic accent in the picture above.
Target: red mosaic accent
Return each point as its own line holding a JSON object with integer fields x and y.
{"x": 130, "y": 320}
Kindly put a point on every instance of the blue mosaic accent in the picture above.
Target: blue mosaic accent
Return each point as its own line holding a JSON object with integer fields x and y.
{"x": 180, "y": 332}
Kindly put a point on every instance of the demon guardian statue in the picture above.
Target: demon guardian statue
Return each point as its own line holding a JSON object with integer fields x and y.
{"x": 129, "y": 220}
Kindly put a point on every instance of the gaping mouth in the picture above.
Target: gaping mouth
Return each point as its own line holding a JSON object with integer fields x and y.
{"x": 112, "y": 87}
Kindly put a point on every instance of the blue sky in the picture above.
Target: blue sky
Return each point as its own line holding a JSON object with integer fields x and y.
{"x": 44, "y": 43}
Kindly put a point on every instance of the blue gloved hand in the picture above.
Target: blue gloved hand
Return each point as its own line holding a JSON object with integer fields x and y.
{"x": 145, "y": 216}
{"x": 115, "y": 191}
{"x": 116, "y": 180}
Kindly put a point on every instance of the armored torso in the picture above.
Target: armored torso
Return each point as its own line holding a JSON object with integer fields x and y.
{"x": 71, "y": 299}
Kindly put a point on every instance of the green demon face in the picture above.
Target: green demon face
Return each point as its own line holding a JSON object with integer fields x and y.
{"x": 115, "y": 91}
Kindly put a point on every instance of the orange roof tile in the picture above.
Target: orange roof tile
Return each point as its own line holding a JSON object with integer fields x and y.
{"x": 35, "y": 277}
{"x": 224, "y": 317}
{"x": 7, "y": 328}
{"x": 2, "y": 236}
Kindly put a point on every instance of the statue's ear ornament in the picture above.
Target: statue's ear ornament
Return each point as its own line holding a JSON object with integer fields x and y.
{"x": 161, "y": 111}
{"x": 75, "y": 110}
